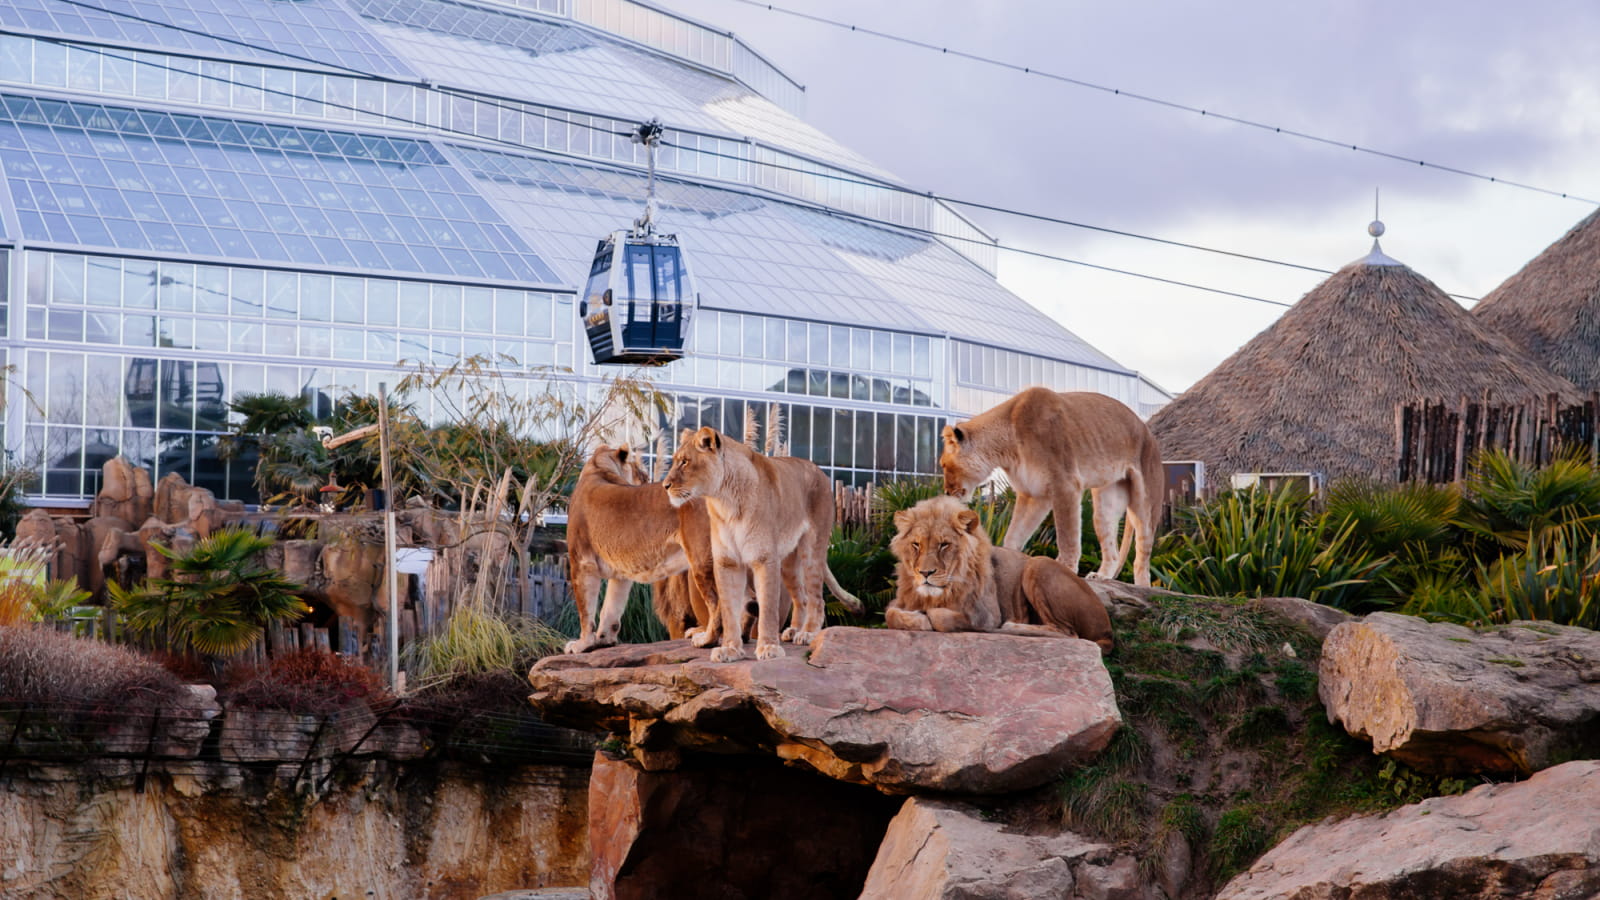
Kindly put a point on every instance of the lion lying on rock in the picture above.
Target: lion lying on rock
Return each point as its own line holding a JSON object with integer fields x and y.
{"x": 949, "y": 577}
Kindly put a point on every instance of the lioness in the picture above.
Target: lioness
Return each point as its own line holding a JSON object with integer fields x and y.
{"x": 771, "y": 518}
{"x": 1052, "y": 446}
{"x": 621, "y": 530}
{"x": 949, "y": 577}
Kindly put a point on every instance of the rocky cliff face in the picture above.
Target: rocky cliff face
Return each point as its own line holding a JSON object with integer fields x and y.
{"x": 438, "y": 830}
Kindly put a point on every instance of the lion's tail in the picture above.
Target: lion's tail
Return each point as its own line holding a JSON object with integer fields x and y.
{"x": 849, "y": 600}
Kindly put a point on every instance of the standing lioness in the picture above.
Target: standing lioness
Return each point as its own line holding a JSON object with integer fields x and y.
{"x": 1052, "y": 446}
{"x": 771, "y": 517}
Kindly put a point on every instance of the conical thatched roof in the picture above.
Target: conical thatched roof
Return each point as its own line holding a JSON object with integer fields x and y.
{"x": 1551, "y": 308}
{"x": 1316, "y": 391}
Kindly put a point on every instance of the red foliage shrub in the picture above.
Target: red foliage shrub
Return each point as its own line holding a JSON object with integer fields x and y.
{"x": 309, "y": 682}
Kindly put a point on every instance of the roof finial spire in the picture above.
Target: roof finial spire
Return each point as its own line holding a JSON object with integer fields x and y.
{"x": 1375, "y": 228}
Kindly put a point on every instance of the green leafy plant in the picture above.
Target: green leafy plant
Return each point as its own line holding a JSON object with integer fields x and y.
{"x": 475, "y": 641}
{"x": 218, "y": 599}
{"x": 1259, "y": 543}
{"x": 1556, "y": 578}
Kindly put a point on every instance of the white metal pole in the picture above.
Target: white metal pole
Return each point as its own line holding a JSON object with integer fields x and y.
{"x": 390, "y": 575}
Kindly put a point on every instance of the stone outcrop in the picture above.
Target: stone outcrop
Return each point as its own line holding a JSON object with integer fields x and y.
{"x": 1535, "y": 839}
{"x": 1447, "y": 699}
{"x": 944, "y": 850}
{"x": 739, "y": 827}
{"x": 899, "y": 710}
{"x": 125, "y": 492}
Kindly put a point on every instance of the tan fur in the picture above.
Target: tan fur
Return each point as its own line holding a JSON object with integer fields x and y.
{"x": 1052, "y": 447}
{"x": 949, "y": 577}
{"x": 622, "y": 530}
{"x": 771, "y": 519}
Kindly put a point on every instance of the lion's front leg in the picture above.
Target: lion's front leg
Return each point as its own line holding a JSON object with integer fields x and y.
{"x": 906, "y": 619}
{"x": 950, "y": 620}
{"x": 1068, "y": 510}
{"x": 769, "y": 606}
{"x": 731, "y": 578}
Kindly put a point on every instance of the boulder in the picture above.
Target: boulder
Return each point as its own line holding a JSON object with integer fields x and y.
{"x": 944, "y": 850}
{"x": 1535, "y": 839}
{"x": 125, "y": 492}
{"x": 1313, "y": 618}
{"x": 1447, "y": 699}
{"x": 900, "y": 710}
{"x": 729, "y": 828}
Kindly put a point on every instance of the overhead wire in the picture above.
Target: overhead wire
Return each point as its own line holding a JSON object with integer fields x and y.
{"x": 500, "y": 103}
{"x": 1169, "y": 104}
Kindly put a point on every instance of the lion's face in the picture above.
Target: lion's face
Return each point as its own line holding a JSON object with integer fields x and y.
{"x": 936, "y": 544}
{"x": 618, "y": 465}
{"x": 963, "y": 472}
{"x": 696, "y": 466}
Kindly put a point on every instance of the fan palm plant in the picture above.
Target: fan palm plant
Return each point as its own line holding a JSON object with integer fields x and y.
{"x": 218, "y": 600}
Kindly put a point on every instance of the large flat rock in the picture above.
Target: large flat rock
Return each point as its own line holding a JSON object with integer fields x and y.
{"x": 1538, "y": 839}
{"x": 1448, "y": 699}
{"x": 899, "y": 710}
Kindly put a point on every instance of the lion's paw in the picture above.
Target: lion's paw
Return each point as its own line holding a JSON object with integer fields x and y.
{"x": 769, "y": 651}
{"x": 1098, "y": 576}
{"x": 788, "y": 634}
{"x": 702, "y": 637}
{"x": 727, "y": 654}
{"x": 584, "y": 645}
{"x": 801, "y": 637}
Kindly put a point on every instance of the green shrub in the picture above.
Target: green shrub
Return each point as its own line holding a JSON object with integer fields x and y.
{"x": 1257, "y": 543}
{"x": 475, "y": 642}
{"x": 1555, "y": 579}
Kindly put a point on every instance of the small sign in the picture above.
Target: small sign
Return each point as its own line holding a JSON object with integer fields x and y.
{"x": 412, "y": 560}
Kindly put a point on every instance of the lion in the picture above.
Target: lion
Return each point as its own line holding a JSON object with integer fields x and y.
{"x": 949, "y": 577}
{"x": 622, "y": 529}
{"x": 1052, "y": 446}
{"x": 771, "y": 518}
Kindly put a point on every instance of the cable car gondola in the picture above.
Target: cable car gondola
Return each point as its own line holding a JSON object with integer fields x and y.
{"x": 638, "y": 302}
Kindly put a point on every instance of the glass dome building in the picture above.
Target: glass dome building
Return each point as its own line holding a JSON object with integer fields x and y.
{"x": 203, "y": 198}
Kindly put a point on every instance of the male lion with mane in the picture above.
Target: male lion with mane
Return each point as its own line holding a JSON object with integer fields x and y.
{"x": 771, "y": 518}
{"x": 1052, "y": 446}
{"x": 949, "y": 577}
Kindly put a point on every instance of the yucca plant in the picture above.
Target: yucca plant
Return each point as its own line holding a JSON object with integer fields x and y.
{"x": 218, "y": 600}
{"x": 1555, "y": 579}
{"x": 1259, "y": 543}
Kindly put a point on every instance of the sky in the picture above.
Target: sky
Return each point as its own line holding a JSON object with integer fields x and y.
{"x": 1510, "y": 91}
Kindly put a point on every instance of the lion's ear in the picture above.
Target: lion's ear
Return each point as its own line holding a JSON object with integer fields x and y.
{"x": 902, "y": 519}
{"x": 955, "y": 433}
{"x": 707, "y": 438}
{"x": 967, "y": 520}
{"x": 622, "y": 454}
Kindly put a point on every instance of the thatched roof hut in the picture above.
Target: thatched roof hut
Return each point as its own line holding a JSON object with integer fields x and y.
{"x": 1551, "y": 308}
{"x": 1316, "y": 391}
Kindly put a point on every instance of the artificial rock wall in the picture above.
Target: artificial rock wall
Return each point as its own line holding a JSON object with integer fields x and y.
{"x": 439, "y": 831}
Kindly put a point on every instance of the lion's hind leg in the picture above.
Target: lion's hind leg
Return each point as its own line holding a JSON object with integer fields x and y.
{"x": 1110, "y": 502}
{"x": 1062, "y": 602}
{"x": 803, "y": 584}
{"x": 605, "y": 635}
